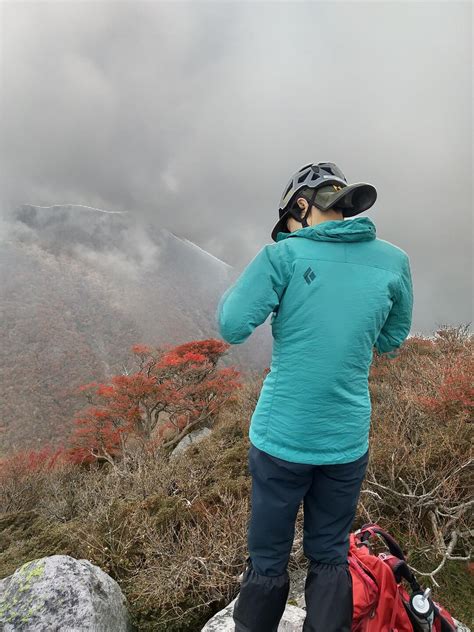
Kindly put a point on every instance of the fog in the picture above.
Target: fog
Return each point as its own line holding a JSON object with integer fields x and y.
{"x": 193, "y": 116}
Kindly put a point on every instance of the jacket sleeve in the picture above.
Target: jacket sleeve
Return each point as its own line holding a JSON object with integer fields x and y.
{"x": 255, "y": 294}
{"x": 398, "y": 324}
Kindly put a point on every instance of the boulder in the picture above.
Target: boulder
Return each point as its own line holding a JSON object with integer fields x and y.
{"x": 292, "y": 620}
{"x": 193, "y": 437}
{"x": 61, "y": 594}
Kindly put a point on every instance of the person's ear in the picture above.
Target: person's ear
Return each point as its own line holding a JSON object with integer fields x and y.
{"x": 301, "y": 202}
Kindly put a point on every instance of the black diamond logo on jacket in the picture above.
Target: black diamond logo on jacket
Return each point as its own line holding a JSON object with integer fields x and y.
{"x": 309, "y": 276}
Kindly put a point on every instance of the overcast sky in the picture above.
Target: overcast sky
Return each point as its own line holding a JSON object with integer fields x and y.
{"x": 194, "y": 115}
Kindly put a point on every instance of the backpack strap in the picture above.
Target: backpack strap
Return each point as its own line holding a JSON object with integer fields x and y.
{"x": 369, "y": 530}
{"x": 396, "y": 560}
{"x": 401, "y": 570}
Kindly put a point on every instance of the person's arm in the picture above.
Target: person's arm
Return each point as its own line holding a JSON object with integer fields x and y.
{"x": 255, "y": 294}
{"x": 398, "y": 324}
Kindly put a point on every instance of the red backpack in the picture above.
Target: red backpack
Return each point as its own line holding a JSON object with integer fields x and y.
{"x": 381, "y": 603}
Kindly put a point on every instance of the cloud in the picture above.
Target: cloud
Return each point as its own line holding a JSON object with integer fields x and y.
{"x": 194, "y": 115}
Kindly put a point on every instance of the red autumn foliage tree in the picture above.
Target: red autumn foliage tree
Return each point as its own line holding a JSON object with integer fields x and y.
{"x": 455, "y": 395}
{"x": 23, "y": 463}
{"x": 181, "y": 383}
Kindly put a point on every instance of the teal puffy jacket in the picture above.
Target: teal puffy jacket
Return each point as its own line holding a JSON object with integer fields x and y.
{"x": 334, "y": 291}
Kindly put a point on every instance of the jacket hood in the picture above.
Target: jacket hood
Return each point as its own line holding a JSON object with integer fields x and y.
{"x": 358, "y": 229}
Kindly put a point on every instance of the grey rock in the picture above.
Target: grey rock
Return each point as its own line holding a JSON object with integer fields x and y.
{"x": 193, "y": 437}
{"x": 296, "y": 594}
{"x": 292, "y": 620}
{"x": 61, "y": 594}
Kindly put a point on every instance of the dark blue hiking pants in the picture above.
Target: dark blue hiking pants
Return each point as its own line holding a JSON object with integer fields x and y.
{"x": 330, "y": 494}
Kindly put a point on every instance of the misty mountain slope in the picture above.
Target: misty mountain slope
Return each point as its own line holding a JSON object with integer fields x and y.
{"x": 78, "y": 287}
{"x": 58, "y": 330}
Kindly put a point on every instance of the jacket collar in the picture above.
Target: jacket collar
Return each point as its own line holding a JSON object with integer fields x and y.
{"x": 358, "y": 229}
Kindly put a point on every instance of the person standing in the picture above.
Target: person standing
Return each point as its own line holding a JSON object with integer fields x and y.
{"x": 334, "y": 291}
